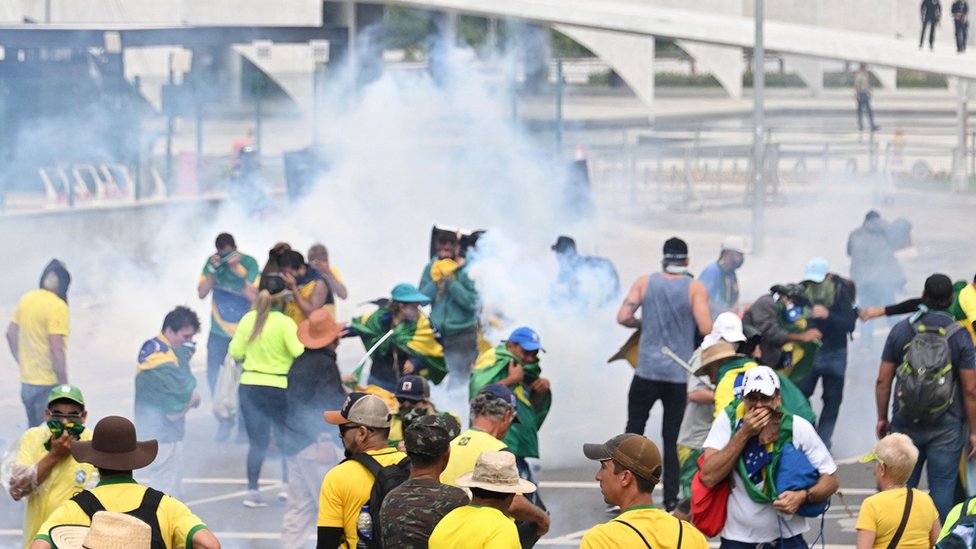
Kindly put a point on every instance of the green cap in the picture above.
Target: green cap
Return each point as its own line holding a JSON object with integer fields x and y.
{"x": 66, "y": 392}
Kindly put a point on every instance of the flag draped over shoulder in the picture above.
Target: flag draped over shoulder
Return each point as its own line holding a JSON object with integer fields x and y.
{"x": 416, "y": 339}
{"x": 729, "y": 389}
{"x": 163, "y": 376}
{"x": 531, "y": 407}
{"x": 759, "y": 463}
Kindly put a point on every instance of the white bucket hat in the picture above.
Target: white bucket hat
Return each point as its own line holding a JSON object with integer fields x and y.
{"x": 496, "y": 472}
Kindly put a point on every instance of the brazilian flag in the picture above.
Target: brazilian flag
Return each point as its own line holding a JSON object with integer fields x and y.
{"x": 800, "y": 354}
{"x": 415, "y": 339}
{"x": 531, "y": 407}
{"x": 793, "y": 399}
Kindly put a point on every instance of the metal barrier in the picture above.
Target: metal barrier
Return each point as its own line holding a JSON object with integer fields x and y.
{"x": 689, "y": 173}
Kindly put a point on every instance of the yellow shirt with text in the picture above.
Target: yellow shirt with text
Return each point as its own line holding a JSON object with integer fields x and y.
{"x": 465, "y": 450}
{"x": 67, "y": 478}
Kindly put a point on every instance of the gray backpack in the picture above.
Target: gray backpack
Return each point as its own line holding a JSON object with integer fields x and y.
{"x": 925, "y": 381}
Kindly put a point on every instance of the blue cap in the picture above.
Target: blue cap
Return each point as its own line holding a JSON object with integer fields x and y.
{"x": 408, "y": 293}
{"x": 817, "y": 270}
{"x": 526, "y": 338}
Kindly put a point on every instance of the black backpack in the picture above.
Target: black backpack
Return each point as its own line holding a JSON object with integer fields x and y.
{"x": 146, "y": 512}
{"x": 963, "y": 529}
{"x": 385, "y": 479}
{"x": 925, "y": 381}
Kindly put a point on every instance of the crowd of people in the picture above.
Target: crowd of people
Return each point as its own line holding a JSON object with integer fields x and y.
{"x": 370, "y": 461}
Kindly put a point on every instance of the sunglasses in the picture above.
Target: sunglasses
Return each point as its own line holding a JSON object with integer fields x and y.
{"x": 69, "y": 416}
{"x": 872, "y": 456}
{"x": 343, "y": 429}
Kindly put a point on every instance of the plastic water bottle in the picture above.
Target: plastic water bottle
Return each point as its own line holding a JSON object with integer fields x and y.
{"x": 364, "y": 525}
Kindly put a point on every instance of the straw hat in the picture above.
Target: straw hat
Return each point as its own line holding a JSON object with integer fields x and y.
{"x": 717, "y": 354}
{"x": 319, "y": 330}
{"x": 496, "y": 472}
{"x": 108, "y": 530}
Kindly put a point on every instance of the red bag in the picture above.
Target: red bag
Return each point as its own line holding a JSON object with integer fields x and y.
{"x": 709, "y": 506}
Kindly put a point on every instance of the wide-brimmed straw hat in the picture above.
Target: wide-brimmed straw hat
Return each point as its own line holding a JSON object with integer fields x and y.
{"x": 496, "y": 472}
{"x": 114, "y": 446}
{"x": 717, "y": 354}
{"x": 319, "y": 330}
{"x": 108, "y": 530}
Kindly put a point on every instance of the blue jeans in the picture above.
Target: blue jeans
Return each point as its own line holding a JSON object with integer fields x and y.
{"x": 940, "y": 443}
{"x": 830, "y": 367}
{"x": 796, "y": 542}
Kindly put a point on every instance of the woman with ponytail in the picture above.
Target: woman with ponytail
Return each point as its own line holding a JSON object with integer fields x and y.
{"x": 267, "y": 341}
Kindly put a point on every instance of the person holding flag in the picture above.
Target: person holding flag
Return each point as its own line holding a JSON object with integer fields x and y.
{"x": 399, "y": 339}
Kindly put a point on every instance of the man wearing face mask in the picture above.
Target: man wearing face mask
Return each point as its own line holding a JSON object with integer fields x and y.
{"x": 44, "y": 471}
{"x": 165, "y": 393}
{"x": 720, "y": 279}
{"x": 231, "y": 275}
{"x": 834, "y": 314}
{"x": 674, "y": 310}
{"x": 38, "y": 339}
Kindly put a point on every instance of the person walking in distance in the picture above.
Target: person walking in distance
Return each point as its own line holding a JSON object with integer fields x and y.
{"x": 960, "y": 18}
{"x": 931, "y": 13}
{"x": 862, "y": 93}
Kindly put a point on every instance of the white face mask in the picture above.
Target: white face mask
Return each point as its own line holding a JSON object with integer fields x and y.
{"x": 676, "y": 269}
{"x": 51, "y": 282}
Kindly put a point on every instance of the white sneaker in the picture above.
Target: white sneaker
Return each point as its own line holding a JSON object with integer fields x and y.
{"x": 283, "y": 495}
{"x": 253, "y": 500}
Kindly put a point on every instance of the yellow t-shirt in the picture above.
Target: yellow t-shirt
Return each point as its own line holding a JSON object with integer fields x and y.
{"x": 39, "y": 314}
{"x": 967, "y": 302}
{"x": 292, "y": 310}
{"x": 882, "y": 512}
{"x": 176, "y": 522}
{"x": 67, "y": 478}
{"x": 475, "y": 527}
{"x": 345, "y": 489}
{"x": 465, "y": 450}
{"x": 658, "y": 528}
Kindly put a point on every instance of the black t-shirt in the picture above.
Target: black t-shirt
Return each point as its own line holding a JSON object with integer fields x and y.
{"x": 960, "y": 345}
